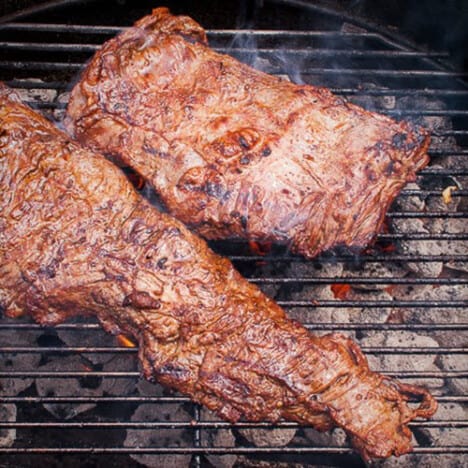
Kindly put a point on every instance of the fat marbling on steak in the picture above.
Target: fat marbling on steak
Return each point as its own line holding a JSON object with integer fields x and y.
{"x": 236, "y": 153}
{"x": 76, "y": 239}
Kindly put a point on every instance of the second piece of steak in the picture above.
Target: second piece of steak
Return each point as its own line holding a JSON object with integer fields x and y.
{"x": 236, "y": 153}
{"x": 75, "y": 238}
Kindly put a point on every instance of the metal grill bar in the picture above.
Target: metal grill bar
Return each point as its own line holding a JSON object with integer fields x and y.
{"x": 458, "y": 152}
{"x": 125, "y": 350}
{"x": 429, "y": 214}
{"x": 112, "y": 30}
{"x": 63, "y": 28}
{"x": 34, "y": 65}
{"x": 410, "y": 73}
{"x": 388, "y": 327}
{"x": 426, "y": 112}
{"x": 105, "y": 399}
{"x": 402, "y": 91}
{"x": 218, "y": 450}
{"x": 49, "y": 47}
{"x": 422, "y": 236}
{"x": 314, "y": 326}
{"x": 162, "y": 400}
{"x": 84, "y": 47}
{"x": 361, "y": 280}
{"x": 459, "y": 424}
{"x": 431, "y": 193}
{"x": 372, "y": 304}
{"x": 456, "y": 374}
{"x": 351, "y": 258}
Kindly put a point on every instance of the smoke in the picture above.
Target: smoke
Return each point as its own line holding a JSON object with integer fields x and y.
{"x": 248, "y": 45}
{"x": 291, "y": 65}
{"x": 244, "y": 45}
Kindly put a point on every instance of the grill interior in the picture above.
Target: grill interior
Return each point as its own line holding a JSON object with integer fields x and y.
{"x": 71, "y": 395}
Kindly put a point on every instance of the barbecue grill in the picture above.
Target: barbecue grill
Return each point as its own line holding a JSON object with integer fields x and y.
{"x": 72, "y": 396}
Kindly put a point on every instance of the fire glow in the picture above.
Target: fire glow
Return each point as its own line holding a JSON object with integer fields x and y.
{"x": 341, "y": 290}
{"x": 126, "y": 342}
{"x": 260, "y": 248}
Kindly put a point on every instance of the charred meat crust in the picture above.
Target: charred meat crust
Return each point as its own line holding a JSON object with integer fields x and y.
{"x": 76, "y": 239}
{"x": 214, "y": 137}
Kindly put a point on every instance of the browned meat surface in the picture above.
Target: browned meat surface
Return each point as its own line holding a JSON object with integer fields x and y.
{"x": 76, "y": 239}
{"x": 236, "y": 153}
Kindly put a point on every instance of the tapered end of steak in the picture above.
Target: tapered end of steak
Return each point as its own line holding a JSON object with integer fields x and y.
{"x": 236, "y": 153}
{"x": 383, "y": 439}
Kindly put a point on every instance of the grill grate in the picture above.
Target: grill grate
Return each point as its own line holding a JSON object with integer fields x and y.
{"x": 405, "y": 297}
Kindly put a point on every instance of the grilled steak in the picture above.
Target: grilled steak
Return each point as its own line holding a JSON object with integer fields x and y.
{"x": 76, "y": 239}
{"x": 236, "y": 153}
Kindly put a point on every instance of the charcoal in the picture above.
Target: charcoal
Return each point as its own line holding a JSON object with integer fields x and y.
{"x": 454, "y": 362}
{"x": 275, "y": 437}
{"x": 67, "y": 387}
{"x": 334, "y": 438}
{"x": 418, "y": 247}
{"x": 436, "y": 461}
{"x": 376, "y": 270}
{"x": 438, "y": 315}
{"x": 7, "y": 414}
{"x": 160, "y": 437}
{"x": 119, "y": 386}
{"x": 364, "y": 314}
{"x": 93, "y": 338}
{"x": 146, "y": 388}
{"x": 17, "y": 361}
{"x": 402, "y": 462}
{"x": 410, "y": 203}
{"x": 218, "y": 438}
{"x": 401, "y": 339}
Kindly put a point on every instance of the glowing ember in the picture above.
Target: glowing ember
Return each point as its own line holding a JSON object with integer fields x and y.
{"x": 341, "y": 290}
{"x": 260, "y": 248}
{"x": 124, "y": 341}
{"x": 389, "y": 247}
{"x": 447, "y": 194}
{"x": 87, "y": 368}
{"x": 380, "y": 247}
